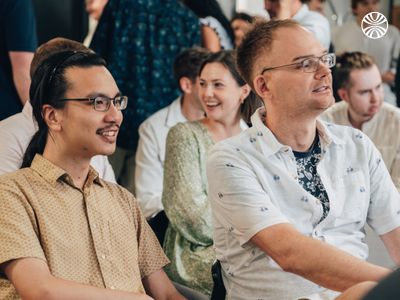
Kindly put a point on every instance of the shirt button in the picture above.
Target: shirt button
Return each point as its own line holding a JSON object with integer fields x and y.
{"x": 94, "y": 226}
{"x": 317, "y": 202}
{"x": 112, "y": 287}
{"x": 103, "y": 256}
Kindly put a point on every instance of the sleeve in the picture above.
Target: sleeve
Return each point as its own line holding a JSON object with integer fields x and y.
{"x": 151, "y": 257}
{"x": 395, "y": 169}
{"x": 11, "y": 153}
{"x": 384, "y": 209}
{"x": 19, "y": 234}
{"x": 20, "y": 29}
{"x": 239, "y": 200}
{"x": 185, "y": 192}
{"x": 148, "y": 172}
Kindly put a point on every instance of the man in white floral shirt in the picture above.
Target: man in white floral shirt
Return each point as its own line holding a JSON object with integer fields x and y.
{"x": 291, "y": 195}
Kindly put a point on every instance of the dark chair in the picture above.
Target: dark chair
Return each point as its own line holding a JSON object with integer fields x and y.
{"x": 219, "y": 291}
{"x": 159, "y": 224}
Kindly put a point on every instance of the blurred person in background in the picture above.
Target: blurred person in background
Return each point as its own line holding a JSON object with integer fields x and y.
{"x": 216, "y": 31}
{"x": 94, "y": 8}
{"x": 360, "y": 87}
{"x": 18, "y": 42}
{"x": 299, "y": 11}
{"x": 385, "y": 50}
{"x": 241, "y": 23}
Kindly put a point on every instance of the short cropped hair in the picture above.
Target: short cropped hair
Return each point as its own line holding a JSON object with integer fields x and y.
{"x": 257, "y": 43}
{"x": 188, "y": 63}
{"x": 347, "y": 62}
{"x": 52, "y": 46}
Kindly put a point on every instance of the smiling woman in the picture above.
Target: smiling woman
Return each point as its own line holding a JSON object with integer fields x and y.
{"x": 226, "y": 98}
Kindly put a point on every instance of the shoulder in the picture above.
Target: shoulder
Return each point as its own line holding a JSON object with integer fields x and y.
{"x": 235, "y": 144}
{"x": 186, "y": 129}
{"x": 16, "y": 181}
{"x": 334, "y": 111}
{"x": 155, "y": 120}
{"x": 390, "y": 113}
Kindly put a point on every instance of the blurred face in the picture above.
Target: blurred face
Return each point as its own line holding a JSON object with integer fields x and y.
{"x": 272, "y": 7}
{"x": 240, "y": 28}
{"x": 290, "y": 89}
{"x": 365, "y": 95}
{"x": 364, "y": 7}
{"x": 95, "y": 8}
{"x": 221, "y": 96}
{"x": 85, "y": 131}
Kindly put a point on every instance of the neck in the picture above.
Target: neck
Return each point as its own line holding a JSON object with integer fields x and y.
{"x": 76, "y": 167}
{"x": 289, "y": 130}
{"x": 355, "y": 120}
{"x": 190, "y": 110}
{"x": 222, "y": 130}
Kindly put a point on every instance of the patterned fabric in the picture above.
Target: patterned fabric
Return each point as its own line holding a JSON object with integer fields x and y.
{"x": 253, "y": 184}
{"x": 223, "y": 36}
{"x": 383, "y": 129}
{"x": 188, "y": 241}
{"x": 140, "y": 39}
{"x": 95, "y": 236}
{"x": 309, "y": 178}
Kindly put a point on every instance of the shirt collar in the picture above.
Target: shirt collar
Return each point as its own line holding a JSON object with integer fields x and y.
{"x": 174, "y": 113}
{"x": 52, "y": 173}
{"x": 272, "y": 146}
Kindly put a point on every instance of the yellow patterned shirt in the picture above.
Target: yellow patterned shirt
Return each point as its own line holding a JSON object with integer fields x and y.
{"x": 95, "y": 235}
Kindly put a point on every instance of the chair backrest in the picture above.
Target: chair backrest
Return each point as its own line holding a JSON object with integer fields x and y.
{"x": 219, "y": 291}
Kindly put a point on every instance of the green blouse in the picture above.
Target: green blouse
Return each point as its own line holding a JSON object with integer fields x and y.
{"x": 188, "y": 241}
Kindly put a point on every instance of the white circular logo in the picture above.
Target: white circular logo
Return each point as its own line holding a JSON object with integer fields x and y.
{"x": 374, "y": 25}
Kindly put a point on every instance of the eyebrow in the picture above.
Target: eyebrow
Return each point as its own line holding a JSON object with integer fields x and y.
{"x": 307, "y": 56}
{"x": 94, "y": 95}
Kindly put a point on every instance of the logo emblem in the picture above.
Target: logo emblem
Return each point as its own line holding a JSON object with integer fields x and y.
{"x": 374, "y": 25}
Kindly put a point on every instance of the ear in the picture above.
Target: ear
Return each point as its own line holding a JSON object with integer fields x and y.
{"x": 245, "y": 92}
{"x": 261, "y": 86}
{"x": 186, "y": 85}
{"x": 343, "y": 94}
{"x": 52, "y": 117}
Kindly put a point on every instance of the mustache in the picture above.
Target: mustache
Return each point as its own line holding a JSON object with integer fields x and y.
{"x": 108, "y": 128}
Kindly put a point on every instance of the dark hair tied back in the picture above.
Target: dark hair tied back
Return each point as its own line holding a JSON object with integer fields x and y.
{"x": 48, "y": 86}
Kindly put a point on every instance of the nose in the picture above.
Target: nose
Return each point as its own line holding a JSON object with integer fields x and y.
{"x": 323, "y": 70}
{"x": 208, "y": 91}
{"x": 113, "y": 115}
{"x": 375, "y": 96}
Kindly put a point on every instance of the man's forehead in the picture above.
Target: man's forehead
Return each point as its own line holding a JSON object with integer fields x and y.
{"x": 296, "y": 41}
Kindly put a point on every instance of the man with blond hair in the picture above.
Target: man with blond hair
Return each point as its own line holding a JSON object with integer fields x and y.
{"x": 291, "y": 195}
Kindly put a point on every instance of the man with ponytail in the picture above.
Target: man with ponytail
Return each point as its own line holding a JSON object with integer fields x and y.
{"x": 17, "y": 130}
{"x": 67, "y": 233}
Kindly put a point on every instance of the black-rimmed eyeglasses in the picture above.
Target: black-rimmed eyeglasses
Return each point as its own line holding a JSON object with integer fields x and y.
{"x": 103, "y": 103}
{"x": 309, "y": 65}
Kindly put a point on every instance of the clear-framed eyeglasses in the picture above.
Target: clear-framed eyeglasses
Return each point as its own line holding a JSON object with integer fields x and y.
{"x": 309, "y": 65}
{"x": 103, "y": 103}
